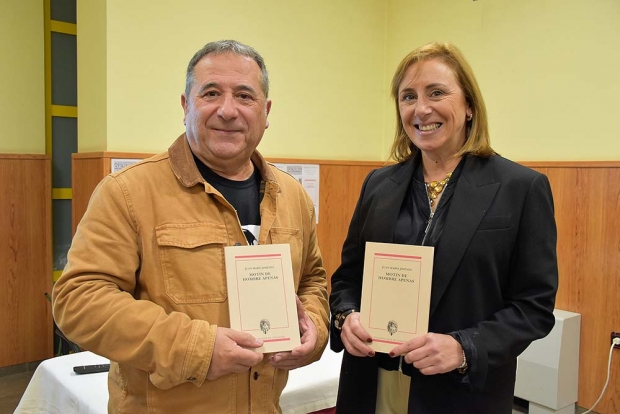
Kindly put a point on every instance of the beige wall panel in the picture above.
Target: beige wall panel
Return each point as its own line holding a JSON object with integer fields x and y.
{"x": 22, "y": 93}
{"x": 547, "y": 69}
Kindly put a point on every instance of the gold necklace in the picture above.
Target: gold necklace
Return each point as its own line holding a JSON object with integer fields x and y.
{"x": 434, "y": 188}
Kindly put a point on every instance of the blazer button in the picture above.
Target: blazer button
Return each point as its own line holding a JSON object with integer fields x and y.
{"x": 237, "y": 244}
{"x": 255, "y": 375}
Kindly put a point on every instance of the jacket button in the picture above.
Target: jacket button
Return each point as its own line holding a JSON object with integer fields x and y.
{"x": 255, "y": 375}
{"x": 191, "y": 379}
{"x": 237, "y": 244}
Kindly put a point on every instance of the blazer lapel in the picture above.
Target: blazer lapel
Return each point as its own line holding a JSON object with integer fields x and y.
{"x": 387, "y": 205}
{"x": 475, "y": 190}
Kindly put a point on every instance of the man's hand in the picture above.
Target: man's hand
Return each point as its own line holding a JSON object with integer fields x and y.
{"x": 298, "y": 356}
{"x": 431, "y": 353}
{"x": 230, "y": 355}
{"x": 355, "y": 338}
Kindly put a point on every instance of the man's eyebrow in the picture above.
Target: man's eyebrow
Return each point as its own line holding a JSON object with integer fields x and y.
{"x": 206, "y": 86}
{"x": 246, "y": 88}
{"x": 239, "y": 88}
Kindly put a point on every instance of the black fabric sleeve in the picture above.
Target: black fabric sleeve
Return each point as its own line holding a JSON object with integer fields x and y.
{"x": 530, "y": 297}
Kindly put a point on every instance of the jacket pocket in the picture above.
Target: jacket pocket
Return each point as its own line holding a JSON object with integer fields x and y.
{"x": 495, "y": 223}
{"x": 192, "y": 260}
{"x": 292, "y": 237}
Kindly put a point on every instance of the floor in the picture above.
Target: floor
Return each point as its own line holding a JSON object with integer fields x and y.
{"x": 13, "y": 385}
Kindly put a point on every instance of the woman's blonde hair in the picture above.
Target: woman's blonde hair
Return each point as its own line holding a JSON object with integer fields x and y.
{"x": 477, "y": 141}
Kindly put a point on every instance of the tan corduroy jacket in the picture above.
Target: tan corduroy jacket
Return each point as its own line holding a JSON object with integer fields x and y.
{"x": 145, "y": 284}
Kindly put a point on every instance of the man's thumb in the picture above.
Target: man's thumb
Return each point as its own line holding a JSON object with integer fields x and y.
{"x": 245, "y": 340}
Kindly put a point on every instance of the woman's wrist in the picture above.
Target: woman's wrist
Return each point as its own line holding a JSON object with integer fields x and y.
{"x": 340, "y": 317}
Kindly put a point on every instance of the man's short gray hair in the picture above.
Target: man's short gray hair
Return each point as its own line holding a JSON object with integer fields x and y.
{"x": 226, "y": 46}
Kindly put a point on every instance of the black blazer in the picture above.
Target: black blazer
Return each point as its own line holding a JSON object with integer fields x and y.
{"x": 494, "y": 282}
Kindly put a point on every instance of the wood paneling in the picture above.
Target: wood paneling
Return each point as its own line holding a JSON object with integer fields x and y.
{"x": 587, "y": 204}
{"x": 340, "y": 187}
{"x": 25, "y": 258}
{"x": 87, "y": 173}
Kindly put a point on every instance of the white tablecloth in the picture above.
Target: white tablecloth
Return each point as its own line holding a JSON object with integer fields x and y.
{"x": 56, "y": 389}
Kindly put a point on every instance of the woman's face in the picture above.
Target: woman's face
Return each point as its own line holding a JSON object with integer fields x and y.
{"x": 433, "y": 108}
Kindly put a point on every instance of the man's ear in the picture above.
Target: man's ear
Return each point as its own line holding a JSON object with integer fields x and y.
{"x": 267, "y": 110}
{"x": 184, "y": 105}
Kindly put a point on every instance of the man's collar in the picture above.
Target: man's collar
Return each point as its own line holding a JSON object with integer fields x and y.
{"x": 185, "y": 169}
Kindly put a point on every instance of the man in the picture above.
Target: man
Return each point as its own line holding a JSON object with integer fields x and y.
{"x": 145, "y": 282}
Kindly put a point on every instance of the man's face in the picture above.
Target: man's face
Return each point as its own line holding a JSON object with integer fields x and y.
{"x": 226, "y": 111}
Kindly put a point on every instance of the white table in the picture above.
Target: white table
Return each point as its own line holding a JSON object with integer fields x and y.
{"x": 56, "y": 389}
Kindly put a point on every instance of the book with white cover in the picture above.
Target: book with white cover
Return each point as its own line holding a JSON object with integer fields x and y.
{"x": 396, "y": 293}
{"x": 261, "y": 294}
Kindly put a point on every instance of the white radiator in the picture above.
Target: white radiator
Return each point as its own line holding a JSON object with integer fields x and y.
{"x": 548, "y": 370}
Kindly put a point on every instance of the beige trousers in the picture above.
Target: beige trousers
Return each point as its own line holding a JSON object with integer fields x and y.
{"x": 392, "y": 392}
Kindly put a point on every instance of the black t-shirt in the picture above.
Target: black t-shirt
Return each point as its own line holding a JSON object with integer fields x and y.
{"x": 245, "y": 197}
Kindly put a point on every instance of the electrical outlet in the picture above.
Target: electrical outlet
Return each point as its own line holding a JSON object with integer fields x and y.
{"x": 613, "y": 336}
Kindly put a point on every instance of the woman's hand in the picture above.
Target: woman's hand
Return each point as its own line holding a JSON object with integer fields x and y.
{"x": 431, "y": 353}
{"x": 355, "y": 338}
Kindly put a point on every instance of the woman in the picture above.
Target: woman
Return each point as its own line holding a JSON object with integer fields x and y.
{"x": 495, "y": 268}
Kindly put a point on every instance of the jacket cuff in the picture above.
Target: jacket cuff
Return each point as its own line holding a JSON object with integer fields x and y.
{"x": 335, "y": 343}
{"x": 321, "y": 340}
{"x": 199, "y": 353}
{"x": 475, "y": 352}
